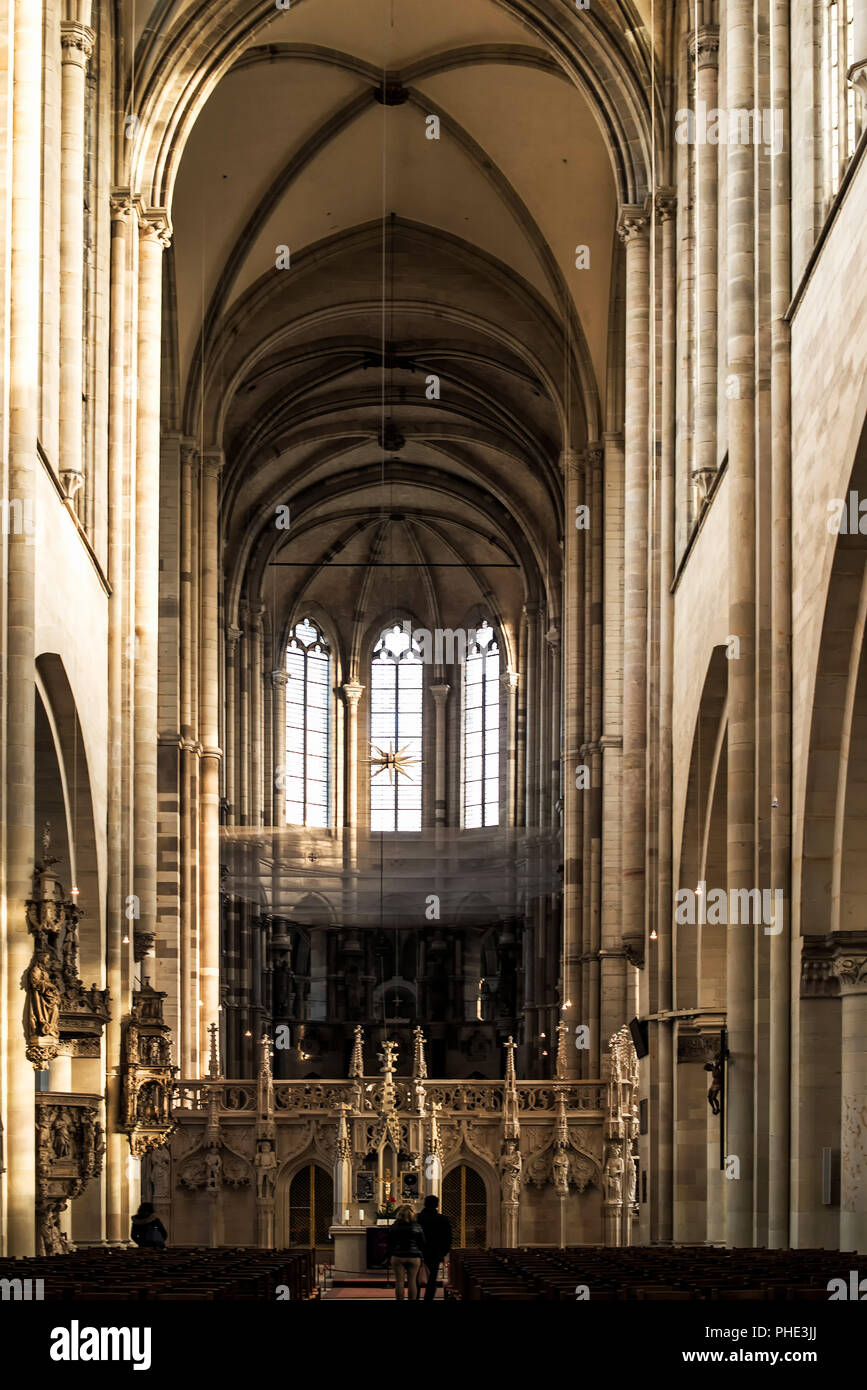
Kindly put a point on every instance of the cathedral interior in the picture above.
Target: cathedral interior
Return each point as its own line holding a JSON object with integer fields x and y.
{"x": 434, "y": 588}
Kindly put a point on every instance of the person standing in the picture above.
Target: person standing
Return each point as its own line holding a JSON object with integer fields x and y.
{"x": 405, "y": 1244}
{"x": 437, "y": 1241}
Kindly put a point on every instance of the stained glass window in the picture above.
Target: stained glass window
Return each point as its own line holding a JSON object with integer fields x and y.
{"x": 482, "y": 730}
{"x": 396, "y": 696}
{"x": 308, "y": 708}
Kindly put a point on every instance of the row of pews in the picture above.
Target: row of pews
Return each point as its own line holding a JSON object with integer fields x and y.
{"x": 645, "y": 1272}
{"x": 178, "y": 1273}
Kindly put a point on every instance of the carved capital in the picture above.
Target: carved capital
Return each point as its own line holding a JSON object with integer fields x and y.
{"x": 351, "y": 692}
{"x": 571, "y": 464}
{"x": 834, "y": 965}
{"x": 121, "y": 205}
{"x": 666, "y": 204}
{"x": 633, "y": 223}
{"x": 211, "y": 464}
{"x": 279, "y": 679}
{"x": 440, "y": 693}
{"x": 189, "y": 451}
{"x": 76, "y": 43}
{"x": 593, "y": 456}
{"x": 703, "y": 44}
{"x": 851, "y": 971}
{"x": 155, "y": 227}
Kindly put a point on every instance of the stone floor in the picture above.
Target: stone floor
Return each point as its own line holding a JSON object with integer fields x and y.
{"x": 362, "y": 1288}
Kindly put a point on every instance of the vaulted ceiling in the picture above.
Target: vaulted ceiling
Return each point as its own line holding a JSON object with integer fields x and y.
{"x": 428, "y": 344}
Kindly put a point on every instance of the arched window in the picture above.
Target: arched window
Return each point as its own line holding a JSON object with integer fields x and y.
{"x": 482, "y": 730}
{"x": 308, "y": 707}
{"x": 843, "y": 104}
{"x": 396, "y": 731}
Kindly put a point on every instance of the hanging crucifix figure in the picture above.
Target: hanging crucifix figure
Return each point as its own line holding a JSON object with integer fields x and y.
{"x": 716, "y": 1090}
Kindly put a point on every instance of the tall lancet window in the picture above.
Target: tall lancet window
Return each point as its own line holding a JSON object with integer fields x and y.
{"x": 482, "y": 730}
{"x": 396, "y": 732}
{"x": 308, "y": 705}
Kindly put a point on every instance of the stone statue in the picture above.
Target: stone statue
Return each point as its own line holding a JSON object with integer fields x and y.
{"x": 266, "y": 1171}
{"x": 43, "y": 998}
{"x": 561, "y": 1173}
{"x": 631, "y": 1178}
{"x": 511, "y": 1165}
{"x": 213, "y": 1171}
{"x": 62, "y": 1135}
{"x": 613, "y": 1174}
{"x": 161, "y": 1164}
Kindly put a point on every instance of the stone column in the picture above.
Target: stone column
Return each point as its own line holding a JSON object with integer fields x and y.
{"x": 244, "y": 717}
{"x": 23, "y": 348}
{"x": 740, "y": 394}
{"x": 76, "y": 40}
{"x": 153, "y": 239}
{"x": 233, "y": 637}
{"x": 704, "y": 52}
{"x": 633, "y": 231}
{"x": 190, "y": 751}
{"x": 574, "y": 792}
{"x": 613, "y": 963}
{"x": 663, "y": 1165}
{"x": 256, "y": 722}
{"x": 779, "y": 983}
{"x": 850, "y": 967}
{"x": 279, "y": 682}
{"x": 209, "y": 799}
{"x": 593, "y": 456}
{"x": 440, "y": 696}
{"x": 118, "y": 956}
{"x": 509, "y": 687}
{"x": 552, "y": 638}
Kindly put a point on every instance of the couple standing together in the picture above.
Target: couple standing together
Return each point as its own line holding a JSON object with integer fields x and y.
{"x": 414, "y": 1242}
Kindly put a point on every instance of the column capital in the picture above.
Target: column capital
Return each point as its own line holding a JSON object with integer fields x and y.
{"x": 211, "y": 463}
{"x": 509, "y": 679}
{"x": 189, "y": 449}
{"x": 121, "y": 205}
{"x": 571, "y": 463}
{"x": 154, "y": 225}
{"x": 594, "y": 454}
{"x": 703, "y": 46}
{"x": 633, "y": 223}
{"x": 666, "y": 204}
{"x": 233, "y": 637}
{"x": 351, "y": 692}
{"x": 552, "y": 636}
{"x": 851, "y": 971}
{"x": 440, "y": 692}
{"x": 76, "y": 42}
{"x": 834, "y": 965}
{"x": 279, "y": 678}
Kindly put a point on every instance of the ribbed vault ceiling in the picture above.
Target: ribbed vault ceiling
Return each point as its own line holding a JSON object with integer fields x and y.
{"x": 411, "y": 258}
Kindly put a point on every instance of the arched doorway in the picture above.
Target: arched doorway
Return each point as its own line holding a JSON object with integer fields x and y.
{"x": 465, "y": 1203}
{"x": 311, "y": 1200}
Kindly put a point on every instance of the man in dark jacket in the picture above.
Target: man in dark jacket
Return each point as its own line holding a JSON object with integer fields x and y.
{"x": 437, "y": 1241}
{"x": 148, "y": 1231}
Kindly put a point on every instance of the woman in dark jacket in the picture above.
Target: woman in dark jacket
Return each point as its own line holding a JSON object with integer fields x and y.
{"x": 148, "y": 1231}
{"x": 405, "y": 1241}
